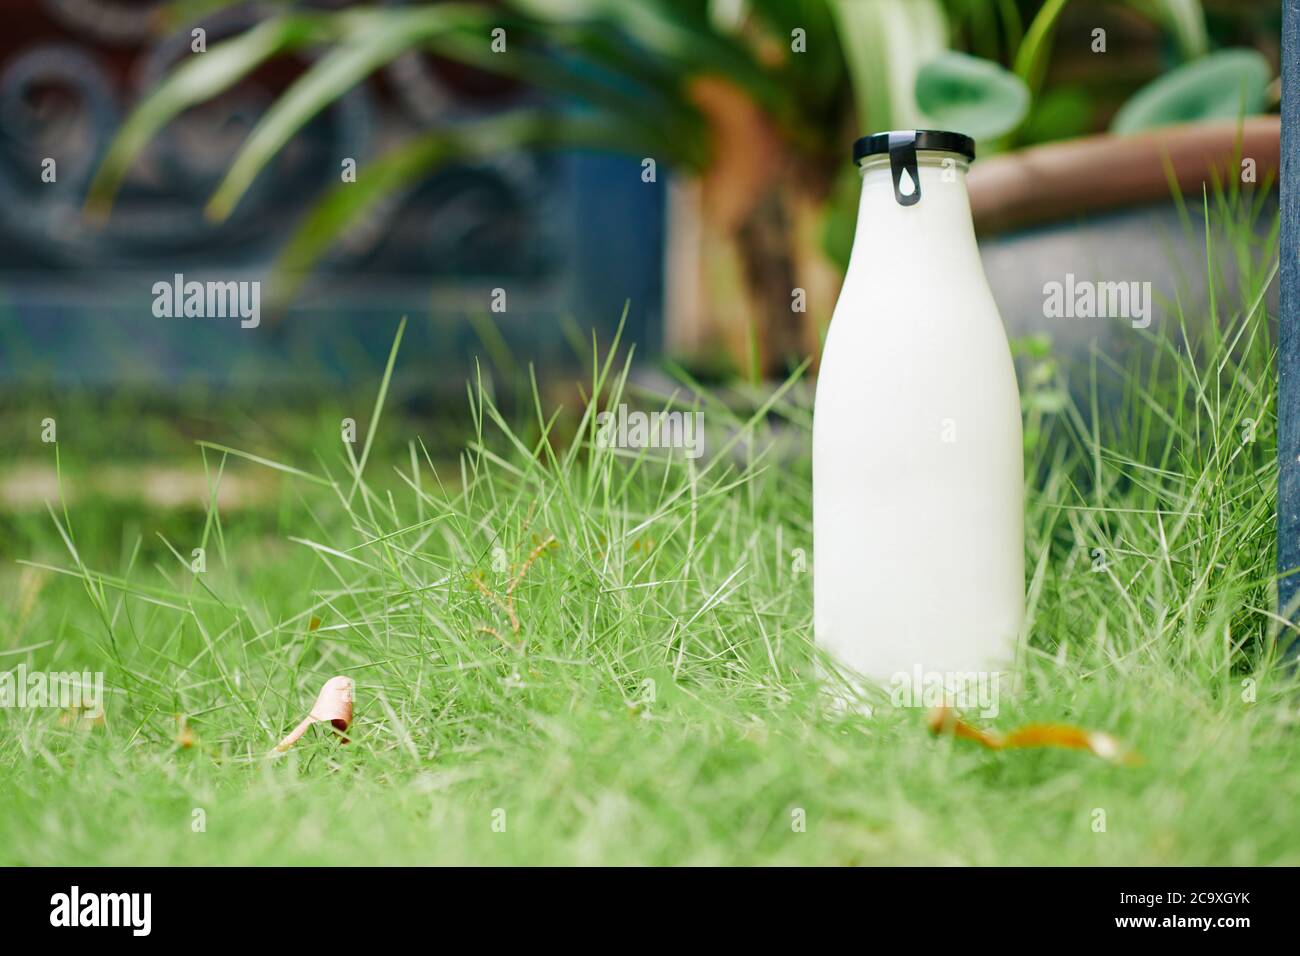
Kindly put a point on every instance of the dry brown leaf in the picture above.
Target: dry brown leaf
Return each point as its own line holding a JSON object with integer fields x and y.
{"x": 944, "y": 720}
{"x": 333, "y": 706}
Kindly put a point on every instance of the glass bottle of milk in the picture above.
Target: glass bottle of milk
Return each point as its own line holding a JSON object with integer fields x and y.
{"x": 918, "y": 485}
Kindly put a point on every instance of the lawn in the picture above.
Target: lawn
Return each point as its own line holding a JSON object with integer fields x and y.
{"x": 565, "y": 653}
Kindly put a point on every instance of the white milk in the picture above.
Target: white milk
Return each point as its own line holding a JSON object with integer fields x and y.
{"x": 918, "y": 486}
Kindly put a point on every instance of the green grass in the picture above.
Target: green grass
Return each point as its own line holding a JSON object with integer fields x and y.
{"x": 1150, "y": 616}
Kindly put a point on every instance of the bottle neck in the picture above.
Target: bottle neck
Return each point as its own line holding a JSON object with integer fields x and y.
{"x": 938, "y": 223}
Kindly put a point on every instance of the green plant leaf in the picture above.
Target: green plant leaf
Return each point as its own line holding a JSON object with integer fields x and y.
{"x": 841, "y": 218}
{"x": 1223, "y": 85}
{"x": 1031, "y": 58}
{"x": 625, "y": 59}
{"x": 371, "y": 39}
{"x": 1060, "y": 112}
{"x": 885, "y": 42}
{"x": 676, "y": 33}
{"x": 198, "y": 79}
{"x": 971, "y": 95}
{"x": 1184, "y": 18}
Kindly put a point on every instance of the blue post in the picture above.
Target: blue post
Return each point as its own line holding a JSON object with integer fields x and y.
{"x": 1288, "y": 404}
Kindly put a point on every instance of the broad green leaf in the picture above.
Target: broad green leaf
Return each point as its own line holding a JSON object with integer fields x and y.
{"x": 1184, "y": 18}
{"x": 1223, "y": 85}
{"x": 971, "y": 95}
{"x": 884, "y": 43}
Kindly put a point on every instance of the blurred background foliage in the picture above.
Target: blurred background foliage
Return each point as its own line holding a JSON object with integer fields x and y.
{"x": 755, "y": 99}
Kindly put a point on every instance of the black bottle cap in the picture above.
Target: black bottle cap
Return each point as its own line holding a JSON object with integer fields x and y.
{"x": 924, "y": 139}
{"x": 901, "y": 145}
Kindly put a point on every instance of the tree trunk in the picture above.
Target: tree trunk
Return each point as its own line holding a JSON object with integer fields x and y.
{"x": 755, "y": 298}
{"x": 747, "y": 280}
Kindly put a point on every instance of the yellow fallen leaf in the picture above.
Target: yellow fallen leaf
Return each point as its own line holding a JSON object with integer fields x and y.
{"x": 81, "y": 719}
{"x": 185, "y": 738}
{"x": 944, "y": 720}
